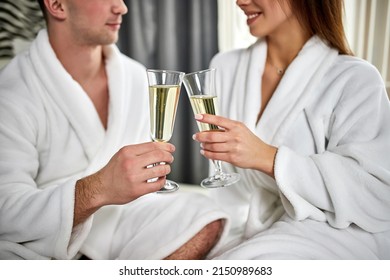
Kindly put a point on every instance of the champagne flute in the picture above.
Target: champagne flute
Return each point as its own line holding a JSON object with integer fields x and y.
{"x": 164, "y": 92}
{"x": 200, "y": 87}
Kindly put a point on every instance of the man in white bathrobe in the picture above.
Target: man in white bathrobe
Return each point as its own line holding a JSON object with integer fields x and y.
{"x": 73, "y": 176}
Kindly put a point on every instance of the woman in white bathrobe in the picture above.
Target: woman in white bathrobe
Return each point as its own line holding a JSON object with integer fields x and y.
{"x": 307, "y": 125}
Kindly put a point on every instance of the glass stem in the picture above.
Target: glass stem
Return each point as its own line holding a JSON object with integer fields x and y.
{"x": 218, "y": 169}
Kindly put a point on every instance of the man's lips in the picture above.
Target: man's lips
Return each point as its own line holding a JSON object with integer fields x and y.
{"x": 114, "y": 25}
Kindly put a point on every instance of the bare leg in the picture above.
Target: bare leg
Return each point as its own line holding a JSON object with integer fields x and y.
{"x": 200, "y": 245}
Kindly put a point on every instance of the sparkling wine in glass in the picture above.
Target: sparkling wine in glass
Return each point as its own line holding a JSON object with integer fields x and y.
{"x": 164, "y": 92}
{"x": 200, "y": 87}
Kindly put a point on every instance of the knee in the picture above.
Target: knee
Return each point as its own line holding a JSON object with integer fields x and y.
{"x": 214, "y": 229}
{"x": 201, "y": 244}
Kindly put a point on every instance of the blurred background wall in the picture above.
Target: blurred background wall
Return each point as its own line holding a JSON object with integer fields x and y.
{"x": 176, "y": 35}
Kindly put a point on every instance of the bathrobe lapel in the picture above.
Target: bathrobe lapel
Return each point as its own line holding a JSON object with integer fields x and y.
{"x": 296, "y": 89}
{"x": 119, "y": 94}
{"x": 98, "y": 144}
{"x": 294, "y": 92}
{"x": 68, "y": 95}
{"x": 246, "y": 98}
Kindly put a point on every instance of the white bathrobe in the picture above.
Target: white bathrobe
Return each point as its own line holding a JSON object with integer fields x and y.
{"x": 51, "y": 136}
{"x": 330, "y": 119}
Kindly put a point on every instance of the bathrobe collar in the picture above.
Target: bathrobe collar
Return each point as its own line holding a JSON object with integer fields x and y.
{"x": 293, "y": 93}
{"x": 73, "y": 101}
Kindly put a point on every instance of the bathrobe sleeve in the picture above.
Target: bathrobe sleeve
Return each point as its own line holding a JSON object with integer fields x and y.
{"x": 35, "y": 220}
{"x": 348, "y": 180}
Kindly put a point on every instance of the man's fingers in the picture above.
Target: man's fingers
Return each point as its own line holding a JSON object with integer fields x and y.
{"x": 157, "y": 171}
{"x": 139, "y": 149}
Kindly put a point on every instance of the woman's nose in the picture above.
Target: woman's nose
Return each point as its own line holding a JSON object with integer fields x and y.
{"x": 242, "y": 2}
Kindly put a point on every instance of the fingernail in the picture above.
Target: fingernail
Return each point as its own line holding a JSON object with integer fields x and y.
{"x": 194, "y": 136}
{"x": 202, "y": 152}
{"x": 198, "y": 116}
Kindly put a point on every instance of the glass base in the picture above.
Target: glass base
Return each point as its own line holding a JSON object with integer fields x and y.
{"x": 169, "y": 186}
{"x": 221, "y": 180}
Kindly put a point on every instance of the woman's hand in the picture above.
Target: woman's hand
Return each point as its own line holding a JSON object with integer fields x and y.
{"x": 235, "y": 144}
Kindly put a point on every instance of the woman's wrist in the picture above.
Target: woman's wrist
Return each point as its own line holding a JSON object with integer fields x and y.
{"x": 267, "y": 161}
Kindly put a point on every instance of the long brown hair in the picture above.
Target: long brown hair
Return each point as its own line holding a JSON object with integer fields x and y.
{"x": 323, "y": 18}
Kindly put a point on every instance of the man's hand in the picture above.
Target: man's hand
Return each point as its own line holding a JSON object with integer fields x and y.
{"x": 124, "y": 178}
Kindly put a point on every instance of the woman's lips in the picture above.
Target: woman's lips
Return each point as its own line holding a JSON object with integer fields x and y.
{"x": 252, "y": 17}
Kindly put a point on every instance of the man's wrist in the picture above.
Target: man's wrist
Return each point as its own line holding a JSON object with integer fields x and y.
{"x": 88, "y": 198}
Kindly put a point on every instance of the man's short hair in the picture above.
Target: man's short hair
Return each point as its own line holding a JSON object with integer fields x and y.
{"x": 42, "y": 6}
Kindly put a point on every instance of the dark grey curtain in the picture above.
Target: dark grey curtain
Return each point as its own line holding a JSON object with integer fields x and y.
{"x": 176, "y": 35}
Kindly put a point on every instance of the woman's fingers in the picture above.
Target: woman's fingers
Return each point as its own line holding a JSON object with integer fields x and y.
{"x": 216, "y": 120}
{"x": 211, "y": 136}
{"x": 216, "y": 147}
